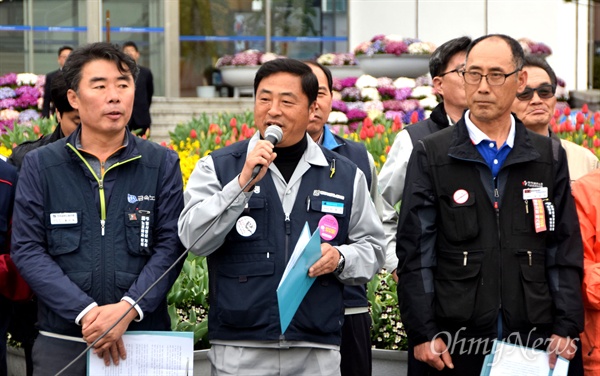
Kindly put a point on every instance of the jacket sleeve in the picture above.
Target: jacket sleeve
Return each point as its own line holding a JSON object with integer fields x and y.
{"x": 565, "y": 264}
{"x": 586, "y": 192}
{"x": 167, "y": 247}
{"x": 205, "y": 199}
{"x": 364, "y": 252}
{"x": 29, "y": 247}
{"x": 415, "y": 249}
{"x": 391, "y": 181}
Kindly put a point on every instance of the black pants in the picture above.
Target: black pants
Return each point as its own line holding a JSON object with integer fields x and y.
{"x": 356, "y": 345}
{"x": 50, "y": 355}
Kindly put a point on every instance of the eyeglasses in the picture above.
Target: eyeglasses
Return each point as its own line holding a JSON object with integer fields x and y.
{"x": 457, "y": 71}
{"x": 544, "y": 91}
{"x": 493, "y": 79}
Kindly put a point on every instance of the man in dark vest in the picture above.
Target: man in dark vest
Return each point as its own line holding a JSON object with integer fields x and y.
{"x": 356, "y": 332}
{"x": 250, "y": 244}
{"x": 488, "y": 238}
{"x": 444, "y": 64}
{"x": 95, "y": 220}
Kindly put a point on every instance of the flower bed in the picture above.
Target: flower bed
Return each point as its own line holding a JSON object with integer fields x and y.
{"x": 20, "y": 99}
{"x": 394, "y": 44}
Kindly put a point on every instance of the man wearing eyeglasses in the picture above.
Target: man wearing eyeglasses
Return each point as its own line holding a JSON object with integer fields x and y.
{"x": 488, "y": 238}
{"x": 445, "y": 63}
{"x": 535, "y": 105}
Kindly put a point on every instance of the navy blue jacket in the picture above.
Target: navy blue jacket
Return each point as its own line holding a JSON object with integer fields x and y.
{"x": 245, "y": 271}
{"x": 79, "y": 239}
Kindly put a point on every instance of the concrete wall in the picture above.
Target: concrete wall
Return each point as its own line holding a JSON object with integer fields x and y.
{"x": 552, "y": 22}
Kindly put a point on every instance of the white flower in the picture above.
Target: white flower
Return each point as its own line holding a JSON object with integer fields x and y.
{"x": 374, "y": 105}
{"x": 26, "y": 79}
{"x": 337, "y": 117}
{"x": 366, "y": 81}
{"x": 384, "y": 82}
{"x": 420, "y": 48}
{"x": 371, "y": 93}
{"x": 374, "y": 114}
{"x": 428, "y": 102}
{"x": 402, "y": 82}
{"x": 421, "y": 91}
{"x": 268, "y": 57}
{"x": 326, "y": 59}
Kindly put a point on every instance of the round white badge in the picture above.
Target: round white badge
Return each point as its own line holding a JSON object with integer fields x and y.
{"x": 245, "y": 226}
{"x": 460, "y": 196}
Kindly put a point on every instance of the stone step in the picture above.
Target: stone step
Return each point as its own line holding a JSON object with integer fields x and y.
{"x": 168, "y": 112}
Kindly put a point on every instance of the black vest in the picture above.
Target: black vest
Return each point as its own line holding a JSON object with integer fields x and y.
{"x": 489, "y": 257}
{"x": 245, "y": 271}
{"x": 103, "y": 267}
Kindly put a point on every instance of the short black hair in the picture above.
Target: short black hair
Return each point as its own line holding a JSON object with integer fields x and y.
{"x": 61, "y": 49}
{"x": 309, "y": 82}
{"x": 96, "y": 51}
{"x": 518, "y": 55}
{"x": 58, "y": 92}
{"x": 438, "y": 62}
{"x": 534, "y": 61}
{"x": 131, "y": 43}
{"x": 325, "y": 70}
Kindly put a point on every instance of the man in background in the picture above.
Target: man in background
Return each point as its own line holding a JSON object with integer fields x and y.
{"x": 535, "y": 105}
{"x": 444, "y": 64}
{"x": 47, "y": 107}
{"x": 356, "y": 331}
{"x": 144, "y": 90}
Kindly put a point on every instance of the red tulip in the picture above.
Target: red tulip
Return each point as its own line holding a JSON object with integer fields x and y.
{"x": 584, "y": 108}
{"x": 591, "y": 132}
{"x": 367, "y": 123}
{"x": 218, "y": 140}
{"x": 193, "y": 134}
{"x": 597, "y": 125}
{"x": 371, "y": 132}
{"x": 363, "y": 134}
{"x": 580, "y": 119}
{"x": 557, "y": 113}
{"x": 227, "y": 142}
{"x": 387, "y": 149}
{"x": 567, "y": 111}
{"x": 597, "y": 143}
{"x": 380, "y": 129}
{"x": 397, "y": 124}
{"x": 164, "y": 143}
{"x": 414, "y": 117}
{"x": 36, "y": 129}
{"x": 233, "y": 122}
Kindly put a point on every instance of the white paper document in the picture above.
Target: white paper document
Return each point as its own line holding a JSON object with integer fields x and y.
{"x": 150, "y": 353}
{"x": 513, "y": 360}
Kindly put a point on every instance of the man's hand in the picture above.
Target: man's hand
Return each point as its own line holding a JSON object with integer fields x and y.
{"x": 563, "y": 346}
{"x": 435, "y": 353}
{"x": 262, "y": 154}
{"x": 98, "y": 320}
{"x": 327, "y": 263}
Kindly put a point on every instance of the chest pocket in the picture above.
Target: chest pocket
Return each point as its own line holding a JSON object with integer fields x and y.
{"x": 138, "y": 228}
{"x": 458, "y": 219}
{"x": 64, "y": 236}
{"x": 252, "y": 223}
{"x": 331, "y": 230}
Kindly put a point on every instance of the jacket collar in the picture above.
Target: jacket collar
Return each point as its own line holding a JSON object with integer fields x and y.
{"x": 130, "y": 149}
{"x": 329, "y": 140}
{"x": 462, "y": 147}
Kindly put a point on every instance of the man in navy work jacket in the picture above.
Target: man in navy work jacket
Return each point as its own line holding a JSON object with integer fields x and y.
{"x": 488, "y": 238}
{"x": 95, "y": 220}
{"x": 249, "y": 246}
{"x": 356, "y": 332}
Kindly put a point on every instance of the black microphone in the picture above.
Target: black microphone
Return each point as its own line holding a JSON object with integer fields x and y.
{"x": 273, "y": 134}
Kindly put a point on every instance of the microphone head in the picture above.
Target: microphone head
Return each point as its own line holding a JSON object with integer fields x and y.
{"x": 274, "y": 134}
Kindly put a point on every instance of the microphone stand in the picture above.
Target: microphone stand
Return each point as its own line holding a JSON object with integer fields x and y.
{"x": 180, "y": 258}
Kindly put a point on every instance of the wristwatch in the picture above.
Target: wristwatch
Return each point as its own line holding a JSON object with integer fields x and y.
{"x": 341, "y": 263}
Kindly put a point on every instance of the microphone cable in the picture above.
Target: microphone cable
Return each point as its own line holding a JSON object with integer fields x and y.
{"x": 179, "y": 259}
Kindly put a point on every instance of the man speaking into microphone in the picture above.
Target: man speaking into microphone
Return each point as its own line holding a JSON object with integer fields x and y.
{"x": 250, "y": 244}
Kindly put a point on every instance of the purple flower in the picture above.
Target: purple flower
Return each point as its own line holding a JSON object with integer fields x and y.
{"x": 409, "y": 105}
{"x": 356, "y": 115}
{"x": 394, "y": 114}
{"x": 356, "y": 106}
{"x": 348, "y": 82}
{"x": 377, "y": 47}
{"x": 392, "y": 105}
{"x": 408, "y": 115}
{"x": 28, "y": 115}
{"x": 338, "y": 105}
{"x": 8, "y": 79}
{"x": 379, "y": 37}
{"x": 424, "y": 80}
{"x": 6, "y": 92}
{"x": 351, "y": 94}
{"x": 386, "y": 92}
{"x": 403, "y": 93}
{"x": 27, "y": 90}
{"x": 26, "y": 101}
{"x": 6, "y": 125}
{"x": 396, "y": 48}
{"x": 8, "y": 103}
